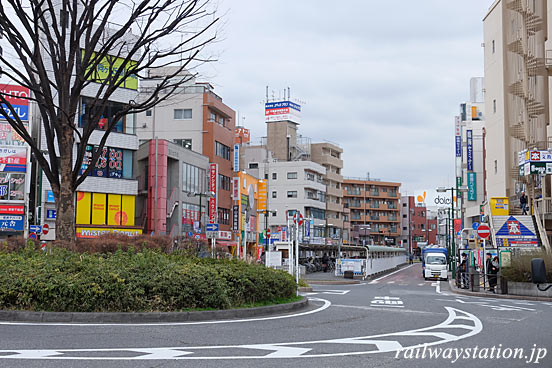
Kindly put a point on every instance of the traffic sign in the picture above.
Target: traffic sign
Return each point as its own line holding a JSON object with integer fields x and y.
{"x": 298, "y": 218}
{"x": 268, "y": 233}
{"x": 483, "y": 231}
{"x": 45, "y": 229}
{"x": 35, "y": 229}
{"x": 212, "y": 227}
{"x": 475, "y": 225}
{"x": 32, "y": 236}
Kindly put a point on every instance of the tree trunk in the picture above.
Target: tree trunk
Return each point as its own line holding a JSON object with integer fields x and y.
{"x": 65, "y": 196}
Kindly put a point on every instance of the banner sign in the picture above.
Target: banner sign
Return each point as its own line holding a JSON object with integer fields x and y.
{"x": 12, "y": 218}
{"x": 236, "y": 157}
{"x": 18, "y": 97}
{"x": 282, "y": 110}
{"x": 13, "y": 159}
{"x": 235, "y": 188}
{"x": 472, "y": 186}
{"x": 86, "y": 232}
{"x": 235, "y": 218}
{"x": 457, "y": 126}
{"x": 458, "y": 146}
{"x": 213, "y": 174}
{"x": 261, "y": 196}
{"x": 307, "y": 229}
{"x": 469, "y": 138}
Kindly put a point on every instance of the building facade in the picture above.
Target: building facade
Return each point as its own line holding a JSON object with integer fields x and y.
{"x": 374, "y": 207}
{"x": 196, "y": 118}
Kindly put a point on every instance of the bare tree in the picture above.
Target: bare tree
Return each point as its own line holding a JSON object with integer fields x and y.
{"x": 65, "y": 49}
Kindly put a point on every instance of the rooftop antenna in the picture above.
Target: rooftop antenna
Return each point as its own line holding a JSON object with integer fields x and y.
{"x": 267, "y": 93}
{"x": 289, "y": 94}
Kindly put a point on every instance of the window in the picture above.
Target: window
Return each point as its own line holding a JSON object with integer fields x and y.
{"x": 221, "y": 120}
{"x": 404, "y": 204}
{"x": 148, "y": 112}
{"x": 186, "y": 143}
{"x": 194, "y": 179}
{"x": 404, "y": 228}
{"x": 115, "y": 163}
{"x": 222, "y": 150}
{"x": 224, "y": 216}
{"x": 493, "y": 47}
{"x": 404, "y": 216}
{"x": 212, "y": 116}
{"x": 292, "y": 194}
{"x": 274, "y": 214}
{"x": 274, "y": 194}
{"x": 292, "y": 175}
{"x": 224, "y": 182}
{"x": 104, "y": 115}
{"x": 266, "y": 176}
{"x": 274, "y": 176}
{"x": 310, "y": 176}
{"x": 494, "y": 106}
{"x": 182, "y": 114}
{"x": 253, "y": 165}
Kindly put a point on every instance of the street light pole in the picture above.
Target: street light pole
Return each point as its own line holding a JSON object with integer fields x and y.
{"x": 453, "y": 235}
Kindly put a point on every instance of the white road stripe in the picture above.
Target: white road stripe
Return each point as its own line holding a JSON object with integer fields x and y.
{"x": 389, "y": 274}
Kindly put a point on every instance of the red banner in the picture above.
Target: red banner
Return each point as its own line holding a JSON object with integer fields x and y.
{"x": 213, "y": 173}
{"x": 12, "y": 210}
{"x": 457, "y": 225}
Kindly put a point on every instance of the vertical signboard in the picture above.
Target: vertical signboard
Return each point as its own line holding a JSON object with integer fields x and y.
{"x": 18, "y": 97}
{"x": 213, "y": 174}
{"x": 235, "y": 218}
{"x": 261, "y": 200}
{"x": 458, "y": 146}
{"x": 235, "y": 188}
{"x": 472, "y": 187}
{"x": 236, "y": 157}
{"x": 469, "y": 139}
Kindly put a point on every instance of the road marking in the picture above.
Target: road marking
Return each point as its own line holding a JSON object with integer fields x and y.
{"x": 391, "y": 282}
{"x": 375, "y": 281}
{"x": 437, "y": 286}
{"x": 387, "y": 301}
{"x": 500, "y": 307}
{"x": 421, "y": 284}
{"x": 325, "y": 306}
{"x": 328, "y": 292}
{"x": 457, "y": 326}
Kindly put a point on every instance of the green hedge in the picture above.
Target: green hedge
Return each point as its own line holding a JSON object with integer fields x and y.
{"x": 127, "y": 281}
{"x": 520, "y": 270}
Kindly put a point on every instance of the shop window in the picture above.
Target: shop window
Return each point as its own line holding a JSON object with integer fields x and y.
{"x": 106, "y": 115}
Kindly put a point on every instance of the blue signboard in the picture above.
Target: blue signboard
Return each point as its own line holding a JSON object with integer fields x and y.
{"x": 50, "y": 196}
{"x": 35, "y": 229}
{"x": 21, "y": 111}
{"x": 278, "y": 105}
{"x": 458, "y": 146}
{"x": 307, "y": 229}
{"x": 236, "y": 157}
{"x": 51, "y": 214}
{"x": 3, "y": 190}
{"x": 475, "y": 225}
{"x": 469, "y": 139}
{"x": 11, "y": 223}
{"x": 212, "y": 227}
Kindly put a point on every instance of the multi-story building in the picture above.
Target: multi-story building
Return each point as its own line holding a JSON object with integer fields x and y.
{"x": 337, "y": 215}
{"x": 418, "y": 225}
{"x": 180, "y": 176}
{"x": 196, "y": 118}
{"x": 374, "y": 207}
{"x": 516, "y": 39}
{"x": 106, "y": 200}
{"x": 470, "y": 154}
{"x": 15, "y": 167}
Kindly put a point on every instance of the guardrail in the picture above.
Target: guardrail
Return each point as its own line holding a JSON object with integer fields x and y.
{"x": 539, "y": 210}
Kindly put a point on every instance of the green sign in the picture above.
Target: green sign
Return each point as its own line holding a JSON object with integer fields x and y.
{"x": 458, "y": 181}
{"x": 244, "y": 200}
{"x": 472, "y": 187}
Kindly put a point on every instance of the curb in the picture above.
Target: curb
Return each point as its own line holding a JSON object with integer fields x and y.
{"x": 153, "y": 317}
{"x": 455, "y": 290}
{"x": 304, "y": 289}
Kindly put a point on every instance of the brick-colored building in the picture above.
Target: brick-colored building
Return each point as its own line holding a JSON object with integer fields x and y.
{"x": 374, "y": 207}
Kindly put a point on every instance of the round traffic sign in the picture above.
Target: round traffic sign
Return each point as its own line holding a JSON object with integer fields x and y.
{"x": 475, "y": 225}
{"x": 45, "y": 229}
{"x": 483, "y": 231}
{"x": 298, "y": 218}
{"x": 268, "y": 233}
{"x": 32, "y": 236}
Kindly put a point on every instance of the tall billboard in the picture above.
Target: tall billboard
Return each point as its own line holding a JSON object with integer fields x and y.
{"x": 18, "y": 97}
{"x": 282, "y": 110}
{"x": 213, "y": 174}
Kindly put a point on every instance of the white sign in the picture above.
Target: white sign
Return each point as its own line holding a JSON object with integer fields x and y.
{"x": 387, "y": 301}
{"x": 273, "y": 259}
{"x": 226, "y": 235}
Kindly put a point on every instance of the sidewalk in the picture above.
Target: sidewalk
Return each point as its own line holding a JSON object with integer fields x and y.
{"x": 488, "y": 294}
{"x": 329, "y": 278}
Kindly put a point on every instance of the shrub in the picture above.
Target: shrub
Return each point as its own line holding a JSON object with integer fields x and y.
{"x": 520, "y": 270}
{"x": 132, "y": 280}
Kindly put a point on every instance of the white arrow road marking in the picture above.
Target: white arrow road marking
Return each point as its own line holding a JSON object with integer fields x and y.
{"x": 460, "y": 325}
{"x": 328, "y": 292}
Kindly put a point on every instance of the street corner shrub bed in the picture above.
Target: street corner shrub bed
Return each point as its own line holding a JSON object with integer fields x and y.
{"x": 142, "y": 280}
{"x": 520, "y": 270}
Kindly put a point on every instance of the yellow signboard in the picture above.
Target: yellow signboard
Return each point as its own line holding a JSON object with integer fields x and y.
{"x": 110, "y": 65}
{"x": 102, "y": 209}
{"x": 127, "y": 214}
{"x": 114, "y": 209}
{"x": 84, "y": 207}
{"x": 90, "y": 232}
{"x": 261, "y": 202}
{"x": 500, "y": 206}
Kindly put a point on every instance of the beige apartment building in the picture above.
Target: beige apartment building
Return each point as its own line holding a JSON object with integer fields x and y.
{"x": 337, "y": 215}
{"x": 516, "y": 94}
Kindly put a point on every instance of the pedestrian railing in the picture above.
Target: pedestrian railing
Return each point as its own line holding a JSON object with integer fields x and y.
{"x": 479, "y": 281}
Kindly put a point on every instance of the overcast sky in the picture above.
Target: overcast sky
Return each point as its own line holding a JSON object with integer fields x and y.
{"x": 383, "y": 79}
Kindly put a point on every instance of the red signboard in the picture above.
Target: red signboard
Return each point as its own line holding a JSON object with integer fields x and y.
{"x": 12, "y": 210}
{"x": 213, "y": 173}
{"x": 17, "y": 95}
{"x": 457, "y": 225}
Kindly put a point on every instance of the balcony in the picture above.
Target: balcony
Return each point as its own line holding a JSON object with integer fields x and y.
{"x": 335, "y": 207}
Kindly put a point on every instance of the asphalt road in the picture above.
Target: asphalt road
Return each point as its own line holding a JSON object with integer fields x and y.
{"x": 387, "y": 322}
